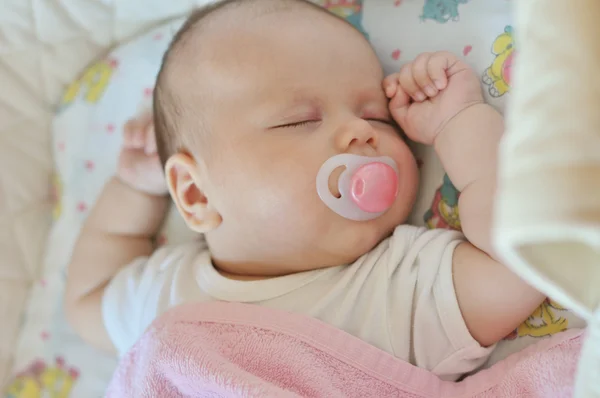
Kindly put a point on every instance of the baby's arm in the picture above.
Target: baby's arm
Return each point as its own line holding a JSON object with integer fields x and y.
{"x": 467, "y": 147}
{"x": 437, "y": 100}
{"x": 449, "y": 113}
{"x": 119, "y": 229}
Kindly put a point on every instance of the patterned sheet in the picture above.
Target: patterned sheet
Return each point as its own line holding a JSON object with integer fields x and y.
{"x": 44, "y": 45}
{"x": 50, "y": 358}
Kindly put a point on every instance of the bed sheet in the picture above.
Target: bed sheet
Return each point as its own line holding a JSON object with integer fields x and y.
{"x": 60, "y": 39}
{"x": 44, "y": 44}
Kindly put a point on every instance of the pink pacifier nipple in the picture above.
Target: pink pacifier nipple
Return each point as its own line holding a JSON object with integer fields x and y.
{"x": 374, "y": 187}
{"x": 368, "y": 186}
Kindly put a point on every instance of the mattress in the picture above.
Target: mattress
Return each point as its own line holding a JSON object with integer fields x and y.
{"x": 44, "y": 45}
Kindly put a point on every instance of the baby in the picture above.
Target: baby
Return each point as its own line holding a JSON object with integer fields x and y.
{"x": 278, "y": 137}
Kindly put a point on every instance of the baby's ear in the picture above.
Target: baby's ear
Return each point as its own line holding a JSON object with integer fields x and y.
{"x": 185, "y": 186}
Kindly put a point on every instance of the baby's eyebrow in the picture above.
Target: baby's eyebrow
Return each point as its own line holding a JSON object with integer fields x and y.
{"x": 299, "y": 97}
{"x": 295, "y": 102}
{"x": 279, "y": 110}
{"x": 297, "y": 113}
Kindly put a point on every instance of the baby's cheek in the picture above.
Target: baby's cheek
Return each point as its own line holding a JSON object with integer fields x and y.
{"x": 279, "y": 191}
{"x": 293, "y": 203}
{"x": 286, "y": 199}
{"x": 397, "y": 146}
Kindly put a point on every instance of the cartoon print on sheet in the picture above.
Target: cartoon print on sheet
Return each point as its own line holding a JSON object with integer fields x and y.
{"x": 442, "y": 11}
{"x": 443, "y": 212}
{"x": 40, "y": 380}
{"x": 56, "y": 196}
{"x": 350, "y": 10}
{"x": 546, "y": 319}
{"x": 91, "y": 85}
{"x": 498, "y": 76}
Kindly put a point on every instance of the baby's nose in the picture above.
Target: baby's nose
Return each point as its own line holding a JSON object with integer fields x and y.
{"x": 357, "y": 133}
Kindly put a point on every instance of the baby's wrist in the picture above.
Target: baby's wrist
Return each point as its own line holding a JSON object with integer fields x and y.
{"x": 468, "y": 144}
{"x": 123, "y": 210}
{"x": 139, "y": 189}
{"x": 459, "y": 121}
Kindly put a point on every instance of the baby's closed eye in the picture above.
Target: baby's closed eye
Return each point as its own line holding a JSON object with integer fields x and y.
{"x": 300, "y": 123}
{"x": 380, "y": 120}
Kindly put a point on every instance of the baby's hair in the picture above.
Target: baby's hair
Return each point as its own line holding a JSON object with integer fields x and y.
{"x": 168, "y": 108}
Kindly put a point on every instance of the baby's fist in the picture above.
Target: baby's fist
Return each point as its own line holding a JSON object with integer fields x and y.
{"x": 139, "y": 165}
{"x": 430, "y": 91}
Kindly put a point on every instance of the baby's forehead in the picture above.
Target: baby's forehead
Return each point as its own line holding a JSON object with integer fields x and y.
{"x": 242, "y": 15}
{"x": 244, "y": 48}
{"x": 234, "y": 35}
{"x": 269, "y": 17}
{"x": 243, "y": 37}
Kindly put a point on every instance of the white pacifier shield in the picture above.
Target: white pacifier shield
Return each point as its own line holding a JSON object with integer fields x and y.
{"x": 347, "y": 206}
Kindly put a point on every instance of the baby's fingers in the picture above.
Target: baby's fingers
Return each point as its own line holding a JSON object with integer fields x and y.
{"x": 150, "y": 147}
{"x": 390, "y": 85}
{"x": 133, "y": 134}
{"x": 409, "y": 85}
{"x": 421, "y": 74}
{"x": 399, "y": 106}
{"x": 438, "y": 66}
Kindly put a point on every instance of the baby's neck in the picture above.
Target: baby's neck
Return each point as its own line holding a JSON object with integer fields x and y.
{"x": 237, "y": 277}
{"x": 252, "y": 271}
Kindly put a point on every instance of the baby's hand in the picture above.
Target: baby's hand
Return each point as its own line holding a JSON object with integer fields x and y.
{"x": 430, "y": 91}
{"x": 139, "y": 165}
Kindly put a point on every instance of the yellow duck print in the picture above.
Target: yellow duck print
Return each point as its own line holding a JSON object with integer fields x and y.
{"x": 545, "y": 321}
{"x": 91, "y": 85}
{"x": 498, "y": 76}
{"x": 42, "y": 381}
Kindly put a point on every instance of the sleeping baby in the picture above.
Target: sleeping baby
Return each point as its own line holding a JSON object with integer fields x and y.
{"x": 278, "y": 137}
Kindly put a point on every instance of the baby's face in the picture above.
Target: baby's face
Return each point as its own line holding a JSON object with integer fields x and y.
{"x": 289, "y": 93}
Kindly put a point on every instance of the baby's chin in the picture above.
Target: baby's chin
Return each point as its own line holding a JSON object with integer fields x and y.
{"x": 363, "y": 237}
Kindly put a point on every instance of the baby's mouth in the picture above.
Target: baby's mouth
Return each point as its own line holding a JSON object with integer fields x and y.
{"x": 334, "y": 179}
{"x": 359, "y": 188}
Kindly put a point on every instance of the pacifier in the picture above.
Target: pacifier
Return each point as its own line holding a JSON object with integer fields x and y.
{"x": 368, "y": 186}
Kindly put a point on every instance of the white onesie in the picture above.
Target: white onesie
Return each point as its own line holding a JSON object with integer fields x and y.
{"x": 398, "y": 297}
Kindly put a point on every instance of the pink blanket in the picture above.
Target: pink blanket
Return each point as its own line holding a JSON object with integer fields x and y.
{"x": 230, "y": 350}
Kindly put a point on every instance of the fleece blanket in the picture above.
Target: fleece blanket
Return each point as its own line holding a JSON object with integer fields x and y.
{"x": 231, "y": 349}
{"x": 548, "y": 209}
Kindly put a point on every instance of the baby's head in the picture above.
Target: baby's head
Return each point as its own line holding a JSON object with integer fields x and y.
{"x": 252, "y": 98}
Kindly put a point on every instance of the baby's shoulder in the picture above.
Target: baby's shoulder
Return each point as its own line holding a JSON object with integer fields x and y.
{"x": 409, "y": 242}
{"x": 411, "y": 235}
{"x": 407, "y": 232}
{"x": 175, "y": 255}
